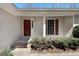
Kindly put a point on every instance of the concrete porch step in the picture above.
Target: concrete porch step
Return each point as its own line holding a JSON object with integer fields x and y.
{"x": 20, "y": 45}
{"x": 21, "y": 42}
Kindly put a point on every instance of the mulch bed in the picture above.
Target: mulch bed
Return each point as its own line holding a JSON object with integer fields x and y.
{"x": 55, "y": 51}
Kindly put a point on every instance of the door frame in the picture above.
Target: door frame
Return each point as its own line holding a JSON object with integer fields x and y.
{"x": 23, "y": 26}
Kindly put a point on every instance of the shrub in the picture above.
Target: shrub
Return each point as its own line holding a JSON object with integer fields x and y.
{"x": 63, "y": 43}
{"x": 38, "y": 43}
{"x": 41, "y": 43}
{"x": 6, "y": 52}
{"x": 66, "y": 43}
{"x": 75, "y": 32}
{"x": 60, "y": 43}
{"x": 49, "y": 44}
{"x": 34, "y": 43}
{"x": 73, "y": 43}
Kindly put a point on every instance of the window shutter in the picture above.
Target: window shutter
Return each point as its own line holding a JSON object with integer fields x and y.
{"x": 56, "y": 26}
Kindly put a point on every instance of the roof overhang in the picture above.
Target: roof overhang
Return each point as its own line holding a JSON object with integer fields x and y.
{"x": 47, "y": 6}
{"x": 11, "y": 8}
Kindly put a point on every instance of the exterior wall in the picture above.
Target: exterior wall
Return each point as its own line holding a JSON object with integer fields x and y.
{"x": 61, "y": 26}
{"x": 76, "y": 19}
{"x": 65, "y": 25}
{"x": 68, "y": 24}
{"x": 38, "y": 27}
{"x": 10, "y": 29}
{"x": 37, "y": 30}
{"x": 9, "y": 7}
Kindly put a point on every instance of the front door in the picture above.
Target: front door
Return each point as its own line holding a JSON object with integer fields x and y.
{"x": 27, "y": 27}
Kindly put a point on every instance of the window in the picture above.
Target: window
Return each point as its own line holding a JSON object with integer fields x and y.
{"x": 52, "y": 27}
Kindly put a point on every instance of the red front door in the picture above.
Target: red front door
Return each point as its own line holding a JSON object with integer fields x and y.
{"x": 27, "y": 28}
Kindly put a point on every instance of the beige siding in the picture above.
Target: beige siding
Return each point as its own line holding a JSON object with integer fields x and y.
{"x": 10, "y": 29}
{"x": 68, "y": 24}
{"x": 61, "y": 25}
{"x": 76, "y": 20}
{"x": 38, "y": 27}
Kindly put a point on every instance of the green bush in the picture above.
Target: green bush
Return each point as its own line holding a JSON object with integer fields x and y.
{"x": 41, "y": 43}
{"x": 73, "y": 43}
{"x": 49, "y": 44}
{"x": 37, "y": 43}
{"x": 6, "y": 52}
{"x": 66, "y": 43}
{"x": 75, "y": 32}
{"x": 59, "y": 43}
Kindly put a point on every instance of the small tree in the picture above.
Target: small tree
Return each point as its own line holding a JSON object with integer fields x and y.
{"x": 75, "y": 32}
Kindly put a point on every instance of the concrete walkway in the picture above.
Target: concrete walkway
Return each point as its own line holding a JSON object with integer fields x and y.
{"x": 27, "y": 52}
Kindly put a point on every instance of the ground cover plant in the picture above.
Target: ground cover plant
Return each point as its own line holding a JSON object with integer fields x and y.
{"x": 5, "y": 52}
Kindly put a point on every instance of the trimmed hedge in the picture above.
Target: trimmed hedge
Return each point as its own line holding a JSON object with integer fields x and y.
{"x": 75, "y": 32}
{"x": 41, "y": 43}
{"x": 59, "y": 43}
{"x": 66, "y": 43}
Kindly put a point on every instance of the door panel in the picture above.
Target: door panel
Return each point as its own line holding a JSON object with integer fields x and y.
{"x": 27, "y": 28}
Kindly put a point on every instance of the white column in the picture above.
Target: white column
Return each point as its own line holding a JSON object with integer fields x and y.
{"x": 44, "y": 26}
{"x": 73, "y": 20}
{"x": 32, "y": 21}
{"x": 32, "y": 33}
